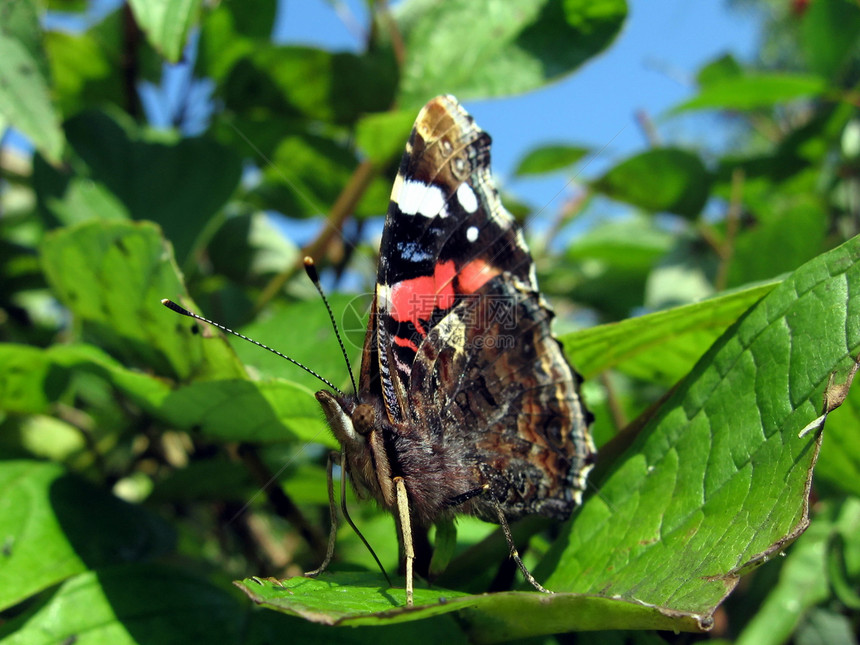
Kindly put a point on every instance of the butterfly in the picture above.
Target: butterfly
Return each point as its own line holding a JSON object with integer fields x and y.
{"x": 466, "y": 403}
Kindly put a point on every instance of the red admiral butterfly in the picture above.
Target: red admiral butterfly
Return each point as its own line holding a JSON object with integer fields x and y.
{"x": 466, "y": 403}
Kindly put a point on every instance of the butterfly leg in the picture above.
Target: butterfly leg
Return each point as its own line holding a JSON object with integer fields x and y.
{"x": 406, "y": 529}
{"x": 503, "y": 521}
{"x": 332, "y": 536}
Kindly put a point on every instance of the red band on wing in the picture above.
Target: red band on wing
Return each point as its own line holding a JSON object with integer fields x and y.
{"x": 414, "y": 300}
{"x": 475, "y": 275}
{"x": 405, "y": 342}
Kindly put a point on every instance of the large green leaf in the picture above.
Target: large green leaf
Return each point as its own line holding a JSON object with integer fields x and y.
{"x": 133, "y": 604}
{"x": 364, "y": 599}
{"x": 112, "y": 276}
{"x": 166, "y": 23}
{"x": 664, "y": 179}
{"x": 55, "y": 525}
{"x": 717, "y": 482}
{"x": 25, "y": 99}
{"x": 481, "y": 48}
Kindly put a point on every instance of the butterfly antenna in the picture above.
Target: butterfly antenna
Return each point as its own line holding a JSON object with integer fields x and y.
{"x": 311, "y": 270}
{"x": 181, "y": 310}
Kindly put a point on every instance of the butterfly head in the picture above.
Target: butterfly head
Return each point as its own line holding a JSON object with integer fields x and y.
{"x": 340, "y": 412}
{"x": 354, "y": 425}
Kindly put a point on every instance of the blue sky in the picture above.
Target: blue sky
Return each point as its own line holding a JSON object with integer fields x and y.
{"x": 650, "y": 67}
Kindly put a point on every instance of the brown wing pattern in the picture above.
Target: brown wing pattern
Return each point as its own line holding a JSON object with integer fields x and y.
{"x": 507, "y": 402}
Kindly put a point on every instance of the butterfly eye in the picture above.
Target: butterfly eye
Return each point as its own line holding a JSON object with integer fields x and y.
{"x": 364, "y": 419}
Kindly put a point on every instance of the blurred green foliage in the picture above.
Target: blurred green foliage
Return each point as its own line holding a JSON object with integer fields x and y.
{"x": 145, "y": 461}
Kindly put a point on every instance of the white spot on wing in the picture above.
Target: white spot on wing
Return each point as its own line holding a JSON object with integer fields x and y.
{"x": 418, "y": 198}
{"x": 472, "y": 232}
{"x": 467, "y": 198}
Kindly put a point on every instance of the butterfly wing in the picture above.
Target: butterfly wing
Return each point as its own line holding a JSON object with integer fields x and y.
{"x": 439, "y": 233}
{"x": 455, "y": 283}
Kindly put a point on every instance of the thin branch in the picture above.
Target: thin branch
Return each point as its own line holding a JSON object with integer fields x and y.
{"x": 733, "y": 216}
{"x": 343, "y": 207}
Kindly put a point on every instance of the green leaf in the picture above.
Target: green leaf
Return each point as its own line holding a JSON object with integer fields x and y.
{"x": 663, "y": 346}
{"x": 608, "y": 267}
{"x": 443, "y": 546}
{"x": 720, "y": 69}
{"x": 128, "y": 605}
{"x": 843, "y": 557}
{"x": 166, "y": 23}
{"x": 239, "y": 410}
{"x": 31, "y": 378}
{"x": 25, "y": 99}
{"x": 307, "y": 174}
{"x": 549, "y": 158}
{"x": 829, "y": 36}
{"x": 665, "y": 179}
{"x": 311, "y": 83}
{"x": 112, "y": 277}
{"x": 50, "y": 534}
{"x": 249, "y": 248}
{"x": 794, "y": 233}
{"x": 83, "y": 66}
{"x": 84, "y": 200}
{"x": 716, "y": 484}
{"x": 824, "y": 625}
{"x": 180, "y": 184}
{"x": 717, "y": 481}
{"x": 364, "y": 599}
{"x": 754, "y": 90}
{"x": 312, "y": 343}
{"x": 230, "y": 32}
{"x": 381, "y": 136}
{"x": 514, "y": 46}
